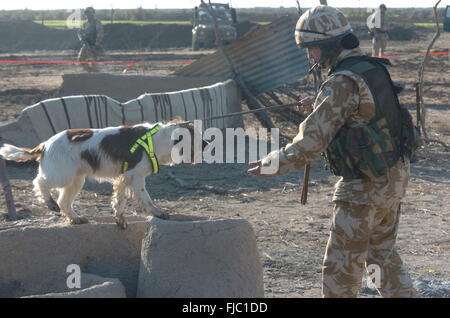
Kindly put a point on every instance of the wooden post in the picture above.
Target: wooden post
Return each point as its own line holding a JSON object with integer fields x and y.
{"x": 317, "y": 81}
{"x": 304, "y": 197}
{"x": 12, "y": 215}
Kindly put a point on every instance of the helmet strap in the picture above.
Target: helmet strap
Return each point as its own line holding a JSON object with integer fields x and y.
{"x": 328, "y": 52}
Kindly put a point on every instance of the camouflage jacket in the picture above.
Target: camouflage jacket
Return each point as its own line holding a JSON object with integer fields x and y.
{"x": 343, "y": 98}
{"x": 92, "y": 32}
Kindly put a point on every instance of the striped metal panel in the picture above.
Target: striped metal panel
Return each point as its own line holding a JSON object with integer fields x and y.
{"x": 266, "y": 58}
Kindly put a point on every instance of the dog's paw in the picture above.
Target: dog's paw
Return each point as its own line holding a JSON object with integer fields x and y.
{"x": 122, "y": 223}
{"x": 53, "y": 206}
{"x": 79, "y": 220}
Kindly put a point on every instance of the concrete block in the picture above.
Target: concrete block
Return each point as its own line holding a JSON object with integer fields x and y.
{"x": 200, "y": 258}
{"x": 34, "y": 259}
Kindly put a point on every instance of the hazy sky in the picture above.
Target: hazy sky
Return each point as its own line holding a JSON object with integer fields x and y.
{"x": 106, "y": 4}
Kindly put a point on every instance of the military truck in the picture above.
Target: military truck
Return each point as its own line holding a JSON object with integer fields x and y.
{"x": 447, "y": 19}
{"x": 203, "y": 34}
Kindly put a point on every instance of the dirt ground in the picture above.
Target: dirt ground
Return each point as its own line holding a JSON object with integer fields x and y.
{"x": 291, "y": 237}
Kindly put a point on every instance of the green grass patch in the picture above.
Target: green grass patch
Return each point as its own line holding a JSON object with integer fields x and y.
{"x": 425, "y": 24}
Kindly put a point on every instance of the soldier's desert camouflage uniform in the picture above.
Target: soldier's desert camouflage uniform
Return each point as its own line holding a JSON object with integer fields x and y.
{"x": 380, "y": 37}
{"x": 366, "y": 212}
{"x": 89, "y": 51}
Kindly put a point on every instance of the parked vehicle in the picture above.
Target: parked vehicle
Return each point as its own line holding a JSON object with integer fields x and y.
{"x": 203, "y": 34}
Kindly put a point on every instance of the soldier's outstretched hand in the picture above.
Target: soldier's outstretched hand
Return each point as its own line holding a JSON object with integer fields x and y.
{"x": 255, "y": 168}
{"x": 306, "y": 105}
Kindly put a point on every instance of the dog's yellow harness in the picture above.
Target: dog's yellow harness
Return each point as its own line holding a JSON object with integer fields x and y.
{"x": 148, "y": 147}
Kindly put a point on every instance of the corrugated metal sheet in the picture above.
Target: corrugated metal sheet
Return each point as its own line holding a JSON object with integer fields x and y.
{"x": 266, "y": 58}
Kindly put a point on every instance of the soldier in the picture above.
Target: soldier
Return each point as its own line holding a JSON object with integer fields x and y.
{"x": 379, "y": 31}
{"x": 91, "y": 37}
{"x": 356, "y": 121}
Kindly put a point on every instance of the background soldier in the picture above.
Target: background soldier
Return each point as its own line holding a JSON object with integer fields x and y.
{"x": 379, "y": 30}
{"x": 91, "y": 36}
{"x": 363, "y": 145}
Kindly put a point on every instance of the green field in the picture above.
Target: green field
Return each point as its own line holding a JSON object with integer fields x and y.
{"x": 426, "y": 24}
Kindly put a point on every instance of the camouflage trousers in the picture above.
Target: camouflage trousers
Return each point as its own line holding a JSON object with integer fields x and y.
{"x": 88, "y": 54}
{"x": 363, "y": 236}
{"x": 379, "y": 43}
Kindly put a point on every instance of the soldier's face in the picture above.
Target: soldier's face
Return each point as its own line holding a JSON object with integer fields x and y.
{"x": 314, "y": 54}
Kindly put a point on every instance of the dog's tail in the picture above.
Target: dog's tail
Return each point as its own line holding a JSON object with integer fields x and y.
{"x": 10, "y": 152}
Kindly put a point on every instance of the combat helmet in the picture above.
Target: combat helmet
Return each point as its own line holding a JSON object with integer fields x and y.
{"x": 89, "y": 10}
{"x": 321, "y": 25}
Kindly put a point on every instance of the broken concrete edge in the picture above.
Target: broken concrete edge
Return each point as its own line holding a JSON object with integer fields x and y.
{"x": 93, "y": 286}
{"x": 92, "y": 220}
{"x": 108, "y": 220}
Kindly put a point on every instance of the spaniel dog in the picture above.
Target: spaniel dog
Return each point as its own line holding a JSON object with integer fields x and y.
{"x": 124, "y": 155}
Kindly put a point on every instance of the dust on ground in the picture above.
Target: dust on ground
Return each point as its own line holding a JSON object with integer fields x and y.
{"x": 291, "y": 237}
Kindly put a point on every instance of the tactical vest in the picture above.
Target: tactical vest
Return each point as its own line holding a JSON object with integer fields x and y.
{"x": 370, "y": 149}
{"x": 90, "y": 35}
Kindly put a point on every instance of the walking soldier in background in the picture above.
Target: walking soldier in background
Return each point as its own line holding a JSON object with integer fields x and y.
{"x": 368, "y": 139}
{"x": 378, "y": 29}
{"x": 91, "y": 37}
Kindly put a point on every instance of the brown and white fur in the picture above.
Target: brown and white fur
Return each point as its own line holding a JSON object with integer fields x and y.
{"x": 67, "y": 158}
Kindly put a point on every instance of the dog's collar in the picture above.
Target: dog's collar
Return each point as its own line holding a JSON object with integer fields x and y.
{"x": 146, "y": 142}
